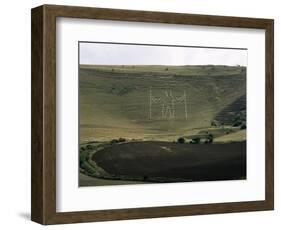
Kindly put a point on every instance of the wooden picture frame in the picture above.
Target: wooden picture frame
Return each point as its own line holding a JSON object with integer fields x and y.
{"x": 43, "y": 207}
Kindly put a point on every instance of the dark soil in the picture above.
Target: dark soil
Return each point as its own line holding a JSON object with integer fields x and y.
{"x": 174, "y": 161}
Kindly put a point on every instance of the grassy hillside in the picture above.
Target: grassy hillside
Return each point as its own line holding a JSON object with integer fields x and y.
{"x": 114, "y": 100}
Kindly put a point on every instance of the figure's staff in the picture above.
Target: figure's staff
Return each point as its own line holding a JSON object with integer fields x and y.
{"x": 150, "y": 103}
{"x": 185, "y": 105}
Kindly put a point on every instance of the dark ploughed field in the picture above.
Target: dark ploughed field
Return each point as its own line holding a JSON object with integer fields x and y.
{"x": 174, "y": 161}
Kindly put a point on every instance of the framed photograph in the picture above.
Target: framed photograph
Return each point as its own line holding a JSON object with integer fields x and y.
{"x": 140, "y": 114}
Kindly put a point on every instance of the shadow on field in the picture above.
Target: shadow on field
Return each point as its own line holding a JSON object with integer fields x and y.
{"x": 25, "y": 215}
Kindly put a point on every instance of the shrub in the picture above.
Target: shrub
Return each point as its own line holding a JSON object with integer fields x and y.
{"x": 243, "y": 126}
{"x": 82, "y": 149}
{"x": 90, "y": 147}
{"x": 181, "y": 140}
{"x": 209, "y": 139}
{"x": 121, "y": 139}
{"x": 113, "y": 141}
{"x": 195, "y": 140}
{"x": 237, "y": 123}
{"x": 83, "y": 157}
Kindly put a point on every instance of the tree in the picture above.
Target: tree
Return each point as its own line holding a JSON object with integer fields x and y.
{"x": 210, "y": 139}
{"x": 82, "y": 149}
{"x": 195, "y": 140}
{"x": 90, "y": 147}
{"x": 243, "y": 126}
{"x": 181, "y": 140}
{"x": 121, "y": 139}
{"x": 113, "y": 141}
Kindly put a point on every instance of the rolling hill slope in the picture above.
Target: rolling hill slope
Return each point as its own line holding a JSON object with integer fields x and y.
{"x": 115, "y": 101}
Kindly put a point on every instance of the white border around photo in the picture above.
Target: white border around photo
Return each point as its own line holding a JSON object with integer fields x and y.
{"x": 71, "y": 197}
